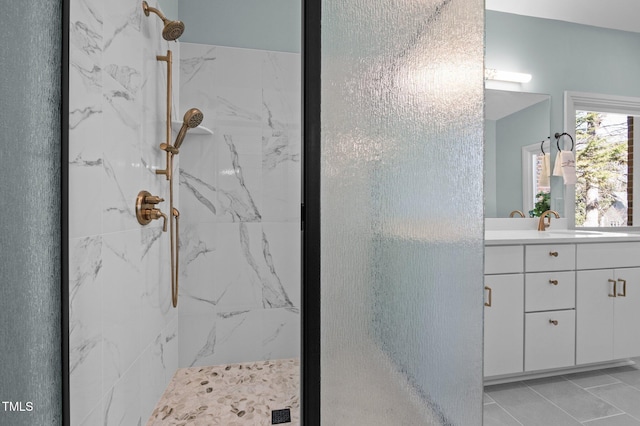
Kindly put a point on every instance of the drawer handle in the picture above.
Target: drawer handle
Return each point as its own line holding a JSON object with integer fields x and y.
{"x": 554, "y": 322}
{"x": 614, "y": 288}
{"x": 488, "y": 303}
{"x": 553, "y": 253}
{"x": 624, "y": 288}
{"x": 554, "y": 282}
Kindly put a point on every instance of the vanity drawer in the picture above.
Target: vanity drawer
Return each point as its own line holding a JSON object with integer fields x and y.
{"x": 549, "y": 340}
{"x": 503, "y": 259}
{"x": 550, "y": 257}
{"x": 608, "y": 255}
{"x": 550, "y": 291}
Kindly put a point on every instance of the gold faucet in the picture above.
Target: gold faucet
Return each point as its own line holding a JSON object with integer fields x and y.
{"x": 542, "y": 225}
{"x": 515, "y": 212}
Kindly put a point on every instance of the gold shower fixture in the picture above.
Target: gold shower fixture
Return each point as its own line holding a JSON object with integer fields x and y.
{"x": 144, "y": 206}
{"x": 172, "y": 29}
{"x": 146, "y": 209}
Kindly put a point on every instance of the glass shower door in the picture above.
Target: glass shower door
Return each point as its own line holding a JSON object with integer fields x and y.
{"x": 30, "y": 235}
{"x": 401, "y": 219}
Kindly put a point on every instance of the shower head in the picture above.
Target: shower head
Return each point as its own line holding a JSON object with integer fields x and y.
{"x": 192, "y": 118}
{"x": 172, "y": 29}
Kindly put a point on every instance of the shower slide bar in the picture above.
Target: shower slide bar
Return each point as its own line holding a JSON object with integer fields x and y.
{"x": 145, "y": 202}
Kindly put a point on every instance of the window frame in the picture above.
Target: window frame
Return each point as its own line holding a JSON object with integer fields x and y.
{"x": 583, "y": 101}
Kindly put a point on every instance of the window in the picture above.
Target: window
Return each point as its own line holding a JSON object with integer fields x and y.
{"x": 604, "y": 192}
{"x": 602, "y": 127}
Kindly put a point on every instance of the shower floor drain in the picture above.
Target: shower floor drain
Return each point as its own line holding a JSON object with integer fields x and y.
{"x": 280, "y": 416}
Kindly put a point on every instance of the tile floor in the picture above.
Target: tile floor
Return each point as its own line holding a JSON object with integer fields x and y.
{"x": 609, "y": 397}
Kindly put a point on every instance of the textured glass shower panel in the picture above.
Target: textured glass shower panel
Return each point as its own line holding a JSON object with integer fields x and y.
{"x": 30, "y": 335}
{"x": 402, "y": 219}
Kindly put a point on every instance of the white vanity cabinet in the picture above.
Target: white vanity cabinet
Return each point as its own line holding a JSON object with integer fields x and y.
{"x": 504, "y": 303}
{"x": 608, "y": 302}
{"x": 563, "y": 300}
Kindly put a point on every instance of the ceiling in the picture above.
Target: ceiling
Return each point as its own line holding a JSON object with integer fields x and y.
{"x": 615, "y": 14}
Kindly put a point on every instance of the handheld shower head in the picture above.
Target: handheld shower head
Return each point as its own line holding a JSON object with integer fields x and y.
{"x": 172, "y": 29}
{"x": 192, "y": 118}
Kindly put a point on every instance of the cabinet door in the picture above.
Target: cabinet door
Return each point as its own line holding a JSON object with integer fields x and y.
{"x": 594, "y": 315}
{"x": 549, "y": 340}
{"x": 504, "y": 325}
{"x": 626, "y": 334}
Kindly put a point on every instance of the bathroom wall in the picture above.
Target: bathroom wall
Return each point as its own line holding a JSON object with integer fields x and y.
{"x": 240, "y": 206}
{"x": 255, "y": 24}
{"x": 123, "y": 332}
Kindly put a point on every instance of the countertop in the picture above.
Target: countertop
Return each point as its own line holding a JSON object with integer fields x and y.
{"x": 555, "y": 236}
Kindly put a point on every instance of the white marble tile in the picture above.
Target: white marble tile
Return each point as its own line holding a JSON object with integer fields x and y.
{"x": 197, "y": 340}
{"x": 94, "y": 418}
{"x": 221, "y": 66}
{"x": 85, "y": 326}
{"x": 85, "y": 187}
{"x": 283, "y": 241}
{"x": 281, "y": 171}
{"x": 239, "y": 336}
{"x": 199, "y": 200}
{"x": 85, "y": 116}
{"x": 122, "y": 283}
{"x": 199, "y": 292}
{"x": 170, "y": 355}
{"x": 152, "y": 375}
{"x": 280, "y": 334}
{"x": 157, "y": 311}
{"x": 259, "y": 334}
{"x": 239, "y": 175}
{"x": 86, "y": 22}
{"x": 122, "y": 402}
{"x": 282, "y": 71}
{"x": 239, "y": 267}
{"x": 122, "y": 22}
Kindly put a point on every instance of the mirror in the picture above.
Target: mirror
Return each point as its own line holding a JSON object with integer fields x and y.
{"x": 516, "y": 125}
{"x": 537, "y": 46}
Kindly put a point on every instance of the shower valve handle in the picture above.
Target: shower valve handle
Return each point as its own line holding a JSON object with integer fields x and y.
{"x": 156, "y": 214}
{"x": 153, "y": 199}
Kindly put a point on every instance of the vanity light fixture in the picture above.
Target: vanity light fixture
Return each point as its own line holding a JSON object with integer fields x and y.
{"x": 508, "y": 76}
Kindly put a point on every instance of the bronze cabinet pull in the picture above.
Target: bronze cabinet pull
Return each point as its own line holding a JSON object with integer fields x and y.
{"x": 553, "y": 253}
{"x": 624, "y": 288}
{"x": 614, "y": 287}
{"x": 554, "y": 322}
{"x": 488, "y": 303}
{"x": 554, "y": 282}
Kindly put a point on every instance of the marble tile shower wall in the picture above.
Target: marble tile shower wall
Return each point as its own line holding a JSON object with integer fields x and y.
{"x": 240, "y": 206}
{"x": 123, "y": 332}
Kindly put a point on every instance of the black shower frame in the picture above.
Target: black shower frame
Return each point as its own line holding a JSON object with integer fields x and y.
{"x": 310, "y": 351}
{"x": 64, "y": 214}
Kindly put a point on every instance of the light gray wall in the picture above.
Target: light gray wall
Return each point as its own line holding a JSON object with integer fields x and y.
{"x": 254, "y": 24}
{"x": 169, "y": 8}
{"x": 563, "y": 56}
